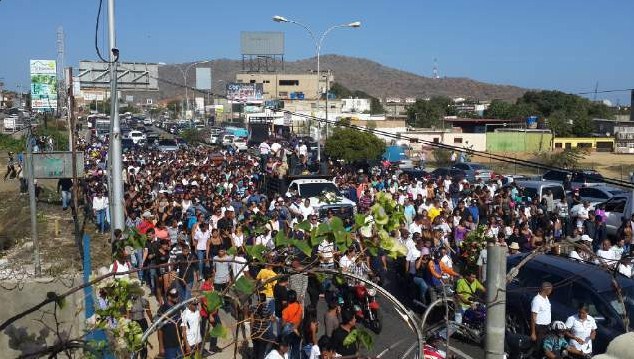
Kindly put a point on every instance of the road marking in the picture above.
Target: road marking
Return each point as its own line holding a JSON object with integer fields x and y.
{"x": 460, "y": 353}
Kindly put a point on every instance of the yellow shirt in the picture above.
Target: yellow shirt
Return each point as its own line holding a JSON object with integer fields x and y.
{"x": 264, "y": 275}
{"x": 432, "y": 213}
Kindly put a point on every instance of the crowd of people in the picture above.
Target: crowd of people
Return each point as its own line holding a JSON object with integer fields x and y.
{"x": 200, "y": 207}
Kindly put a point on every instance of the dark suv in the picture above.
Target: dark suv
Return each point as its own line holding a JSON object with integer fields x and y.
{"x": 574, "y": 282}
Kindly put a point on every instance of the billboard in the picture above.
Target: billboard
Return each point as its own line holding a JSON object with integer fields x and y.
{"x": 131, "y": 76}
{"x": 262, "y": 43}
{"x": 244, "y": 92}
{"x": 203, "y": 78}
{"x": 55, "y": 165}
{"x": 43, "y": 85}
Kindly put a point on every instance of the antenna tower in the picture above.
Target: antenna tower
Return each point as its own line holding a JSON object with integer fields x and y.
{"x": 596, "y": 89}
{"x": 61, "y": 83}
{"x": 435, "y": 72}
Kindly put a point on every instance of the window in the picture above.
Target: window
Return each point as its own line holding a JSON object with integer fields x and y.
{"x": 283, "y": 94}
{"x": 289, "y": 82}
{"x": 615, "y": 205}
{"x": 558, "y": 192}
{"x": 267, "y": 81}
{"x": 251, "y": 81}
{"x": 461, "y": 166}
{"x": 558, "y": 145}
{"x": 436, "y": 139}
{"x": 568, "y": 145}
{"x": 457, "y": 140}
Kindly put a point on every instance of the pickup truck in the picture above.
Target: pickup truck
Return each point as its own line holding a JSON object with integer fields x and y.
{"x": 617, "y": 209}
{"x": 317, "y": 189}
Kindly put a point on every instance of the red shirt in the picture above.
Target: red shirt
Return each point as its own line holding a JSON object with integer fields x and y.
{"x": 207, "y": 286}
{"x": 144, "y": 226}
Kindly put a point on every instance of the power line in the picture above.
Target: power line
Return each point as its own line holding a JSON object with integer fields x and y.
{"x": 501, "y": 158}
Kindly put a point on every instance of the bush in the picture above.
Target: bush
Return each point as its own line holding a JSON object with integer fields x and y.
{"x": 442, "y": 156}
{"x": 193, "y": 137}
{"x": 568, "y": 158}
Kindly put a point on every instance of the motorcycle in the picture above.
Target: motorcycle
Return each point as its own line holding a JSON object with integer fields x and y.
{"x": 362, "y": 300}
{"x": 473, "y": 323}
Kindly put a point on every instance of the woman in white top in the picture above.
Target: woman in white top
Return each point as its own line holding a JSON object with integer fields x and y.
{"x": 191, "y": 321}
{"x": 202, "y": 242}
{"x": 237, "y": 238}
{"x": 582, "y": 329}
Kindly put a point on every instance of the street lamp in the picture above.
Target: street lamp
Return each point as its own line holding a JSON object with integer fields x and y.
{"x": 184, "y": 73}
{"x": 318, "y": 43}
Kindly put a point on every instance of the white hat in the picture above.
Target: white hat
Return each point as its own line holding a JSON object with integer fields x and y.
{"x": 515, "y": 246}
{"x": 147, "y": 214}
{"x": 586, "y": 238}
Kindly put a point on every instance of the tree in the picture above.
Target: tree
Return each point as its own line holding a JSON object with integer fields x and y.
{"x": 425, "y": 113}
{"x": 499, "y": 109}
{"x": 376, "y": 107}
{"x": 175, "y": 107}
{"x": 354, "y": 145}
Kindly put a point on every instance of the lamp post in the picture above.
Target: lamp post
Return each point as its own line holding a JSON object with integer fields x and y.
{"x": 318, "y": 42}
{"x": 184, "y": 73}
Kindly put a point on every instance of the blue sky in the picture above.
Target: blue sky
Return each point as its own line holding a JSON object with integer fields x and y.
{"x": 566, "y": 44}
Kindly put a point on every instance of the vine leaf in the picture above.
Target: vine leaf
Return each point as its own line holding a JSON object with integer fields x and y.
{"x": 213, "y": 301}
{"x": 219, "y": 331}
{"x": 244, "y": 285}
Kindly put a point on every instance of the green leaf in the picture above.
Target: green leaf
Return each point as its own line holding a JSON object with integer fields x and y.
{"x": 365, "y": 339}
{"x": 244, "y": 285}
{"x": 61, "y": 302}
{"x": 303, "y": 246}
{"x": 323, "y": 228}
{"x": 373, "y": 250}
{"x": 336, "y": 224}
{"x": 232, "y": 251}
{"x": 320, "y": 277}
{"x": 304, "y": 226}
{"x": 351, "y": 338}
{"x": 359, "y": 220}
{"x": 219, "y": 331}
{"x": 281, "y": 240}
{"x": 213, "y": 301}
{"x": 256, "y": 252}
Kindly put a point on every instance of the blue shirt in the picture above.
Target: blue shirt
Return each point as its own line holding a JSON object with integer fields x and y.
{"x": 555, "y": 344}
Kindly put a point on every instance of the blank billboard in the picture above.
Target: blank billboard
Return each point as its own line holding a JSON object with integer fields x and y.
{"x": 262, "y": 43}
{"x": 132, "y": 76}
{"x": 203, "y": 78}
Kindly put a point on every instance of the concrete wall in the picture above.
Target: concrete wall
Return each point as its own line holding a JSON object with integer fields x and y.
{"x": 477, "y": 140}
{"x": 510, "y": 141}
{"x": 31, "y": 292}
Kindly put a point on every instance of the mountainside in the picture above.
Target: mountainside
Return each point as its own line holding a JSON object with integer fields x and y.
{"x": 354, "y": 73}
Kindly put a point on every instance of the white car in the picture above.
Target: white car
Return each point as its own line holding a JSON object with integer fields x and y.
{"x": 137, "y": 137}
{"x": 315, "y": 189}
{"x": 147, "y": 121}
{"x": 240, "y": 144}
{"x": 227, "y": 139}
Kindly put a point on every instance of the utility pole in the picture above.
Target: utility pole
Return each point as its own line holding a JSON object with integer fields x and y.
{"x": 114, "y": 149}
{"x": 32, "y": 202}
{"x": 73, "y": 149}
{"x": 495, "y": 301}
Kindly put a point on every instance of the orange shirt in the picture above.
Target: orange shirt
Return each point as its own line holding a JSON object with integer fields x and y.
{"x": 292, "y": 314}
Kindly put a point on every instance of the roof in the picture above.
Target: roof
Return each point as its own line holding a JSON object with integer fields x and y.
{"x": 536, "y": 183}
{"x": 591, "y": 275}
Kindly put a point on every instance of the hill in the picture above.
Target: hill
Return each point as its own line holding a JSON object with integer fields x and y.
{"x": 356, "y": 74}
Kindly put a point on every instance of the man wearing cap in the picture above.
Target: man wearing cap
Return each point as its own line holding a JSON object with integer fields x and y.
{"x": 146, "y": 223}
{"x": 514, "y": 248}
{"x": 172, "y": 333}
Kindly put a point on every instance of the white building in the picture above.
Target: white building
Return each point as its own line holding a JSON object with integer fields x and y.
{"x": 355, "y": 105}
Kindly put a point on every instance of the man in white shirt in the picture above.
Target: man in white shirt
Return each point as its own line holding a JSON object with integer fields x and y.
{"x": 348, "y": 259}
{"x": 326, "y": 252}
{"x": 275, "y": 148}
{"x": 582, "y": 329}
{"x": 100, "y": 207}
{"x": 541, "y": 313}
{"x": 482, "y": 265}
{"x": 303, "y": 149}
{"x": 191, "y": 321}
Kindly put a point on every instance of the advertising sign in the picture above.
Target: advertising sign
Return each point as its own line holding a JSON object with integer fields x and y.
{"x": 43, "y": 85}
{"x": 55, "y": 165}
{"x": 262, "y": 43}
{"x": 244, "y": 92}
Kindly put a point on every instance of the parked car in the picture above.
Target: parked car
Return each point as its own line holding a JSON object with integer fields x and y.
{"x": 578, "y": 178}
{"x": 240, "y": 144}
{"x": 454, "y": 173}
{"x": 574, "y": 283}
{"x": 167, "y": 145}
{"x": 618, "y": 209}
{"x": 597, "y": 194}
{"x": 474, "y": 171}
{"x": 415, "y": 173}
{"x": 227, "y": 139}
{"x": 536, "y": 189}
{"x": 137, "y": 137}
{"x": 127, "y": 144}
